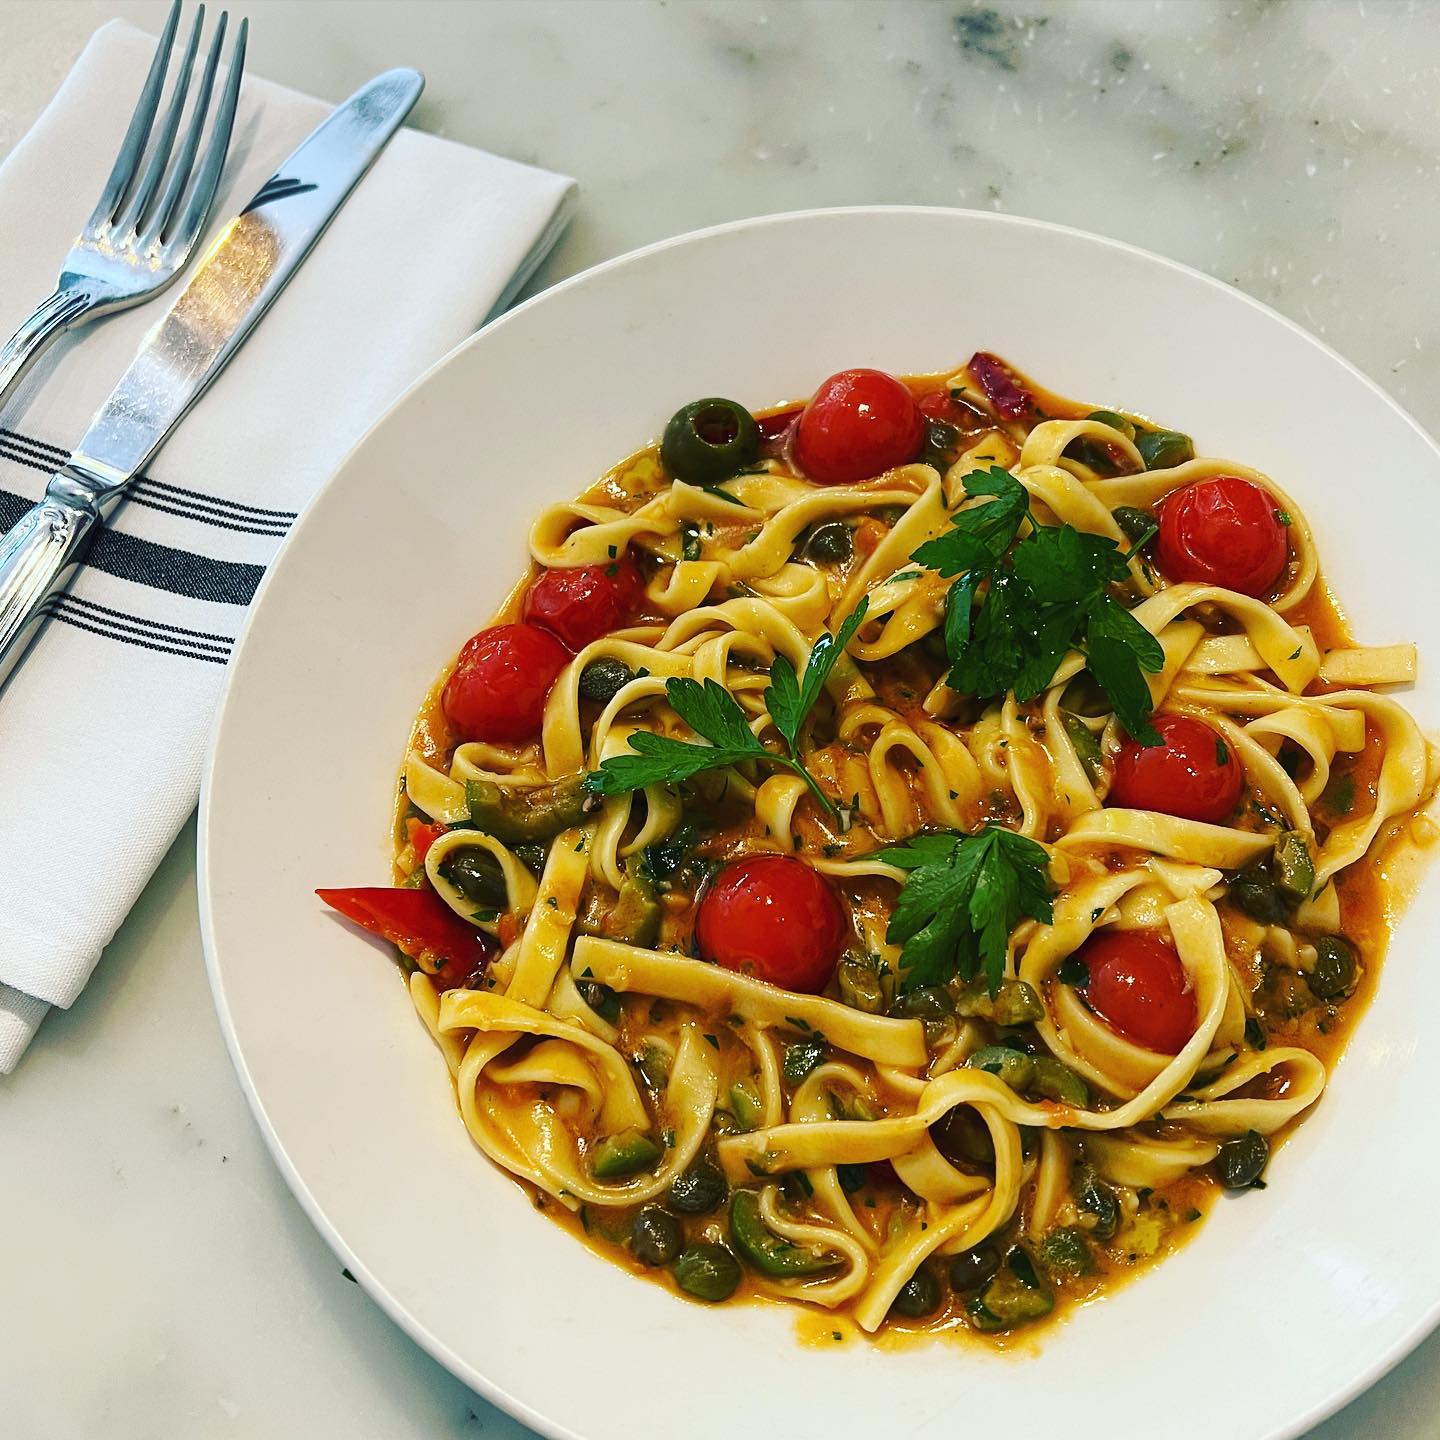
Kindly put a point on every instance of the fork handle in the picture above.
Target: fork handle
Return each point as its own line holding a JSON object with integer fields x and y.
{"x": 65, "y": 306}
{"x": 36, "y": 558}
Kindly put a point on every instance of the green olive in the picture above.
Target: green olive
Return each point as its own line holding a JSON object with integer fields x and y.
{"x": 708, "y": 1271}
{"x": 655, "y": 1236}
{"x": 1294, "y": 867}
{"x": 746, "y": 1105}
{"x": 767, "y": 1252}
{"x": 1115, "y": 421}
{"x": 628, "y": 1153}
{"x": 1014, "y": 1003}
{"x": 919, "y": 1296}
{"x": 830, "y": 543}
{"x": 601, "y": 680}
{"x": 1015, "y": 1296}
{"x": 1333, "y": 975}
{"x": 971, "y": 1269}
{"x": 930, "y": 1002}
{"x": 1160, "y": 449}
{"x": 476, "y": 875}
{"x": 1241, "y": 1163}
{"x": 1014, "y": 1067}
{"x": 701, "y": 1189}
{"x": 520, "y": 816}
{"x": 1134, "y": 524}
{"x": 1058, "y": 1082}
{"x": 709, "y": 440}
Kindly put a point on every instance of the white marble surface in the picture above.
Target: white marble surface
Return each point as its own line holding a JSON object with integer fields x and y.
{"x": 156, "y": 1279}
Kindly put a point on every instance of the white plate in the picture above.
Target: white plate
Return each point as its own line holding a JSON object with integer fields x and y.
{"x": 1284, "y": 1306}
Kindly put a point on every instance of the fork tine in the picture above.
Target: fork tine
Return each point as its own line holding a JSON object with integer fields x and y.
{"x": 207, "y": 180}
{"x": 169, "y": 204}
{"x": 144, "y": 192}
{"x": 133, "y": 145}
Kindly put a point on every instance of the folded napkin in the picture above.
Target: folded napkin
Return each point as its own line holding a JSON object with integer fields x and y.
{"x": 103, "y": 728}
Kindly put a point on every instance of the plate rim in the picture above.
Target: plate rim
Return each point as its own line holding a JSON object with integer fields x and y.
{"x": 511, "y": 1404}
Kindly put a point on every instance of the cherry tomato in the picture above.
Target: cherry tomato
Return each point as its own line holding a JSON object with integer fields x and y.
{"x": 773, "y": 917}
{"x": 582, "y": 604}
{"x": 422, "y": 836}
{"x": 858, "y": 424}
{"x": 498, "y": 687}
{"x": 1224, "y": 532}
{"x": 1192, "y": 773}
{"x": 1138, "y": 987}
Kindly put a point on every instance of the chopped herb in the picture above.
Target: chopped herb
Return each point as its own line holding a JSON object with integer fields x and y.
{"x": 1045, "y": 595}
{"x": 712, "y": 712}
{"x": 1222, "y": 752}
{"x": 963, "y": 896}
{"x": 611, "y": 551}
{"x": 1074, "y": 971}
{"x": 1285, "y": 517}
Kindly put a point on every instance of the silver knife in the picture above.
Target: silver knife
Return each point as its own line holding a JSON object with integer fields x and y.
{"x": 232, "y": 287}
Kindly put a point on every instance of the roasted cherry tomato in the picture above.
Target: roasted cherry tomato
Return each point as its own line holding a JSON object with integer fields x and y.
{"x": 419, "y": 921}
{"x": 859, "y": 423}
{"x": 1192, "y": 773}
{"x": 773, "y": 917}
{"x": 498, "y": 687}
{"x": 422, "y": 836}
{"x": 1224, "y": 532}
{"x": 1137, "y": 985}
{"x": 582, "y": 604}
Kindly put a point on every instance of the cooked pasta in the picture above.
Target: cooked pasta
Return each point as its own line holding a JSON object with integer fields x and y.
{"x": 903, "y": 856}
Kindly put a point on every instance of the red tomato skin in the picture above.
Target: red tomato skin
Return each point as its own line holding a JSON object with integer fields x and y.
{"x": 497, "y": 690}
{"x": 1137, "y": 986}
{"x": 580, "y": 605}
{"x": 1223, "y": 531}
{"x": 774, "y": 918}
{"x": 1183, "y": 775}
{"x": 422, "y": 836}
{"x": 859, "y": 423}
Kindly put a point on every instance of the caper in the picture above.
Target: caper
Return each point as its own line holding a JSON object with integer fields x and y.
{"x": 601, "y": 680}
{"x": 1134, "y": 524}
{"x": 1160, "y": 449}
{"x": 930, "y": 1002}
{"x": 1096, "y": 1198}
{"x": 1255, "y": 892}
{"x": 1016, "y": 1295}
{"x": 963, "y": 1138}
{"x": 801, "y": 1058}
{"x": 1115, "y": 421}
{"x": 1014, "y": 1067}
{"x": 830, "y": 543}
{"x": 919, "y": 1296}
{"x": 852, "y": 1177}
{"x": 971, "y": 1269}
{"x": 708, "y": 1271}
{"x": 1058, "y": 1082}
{"x": 476, "y": 875}
{"x": 709, "y": 440}
{"x": 699, "y": 1190}
{"x": 942, "y": 445}
{"x": 655, "y": 1236}
{"x": 860, "y": 985}
{"x": 1014, "y": 1003}
{"x": 1066, "y": 1251}
{"x": 1333, "y": 974}
{"x": 1241, "y": 1162}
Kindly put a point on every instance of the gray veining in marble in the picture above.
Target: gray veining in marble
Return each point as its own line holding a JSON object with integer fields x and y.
{"x": 1289, "y": 146}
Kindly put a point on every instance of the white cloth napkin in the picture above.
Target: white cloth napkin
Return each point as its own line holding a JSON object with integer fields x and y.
{"x": 104, "y": 726}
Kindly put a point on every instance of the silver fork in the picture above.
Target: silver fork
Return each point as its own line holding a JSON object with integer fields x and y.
{"x": 133, "y": 246}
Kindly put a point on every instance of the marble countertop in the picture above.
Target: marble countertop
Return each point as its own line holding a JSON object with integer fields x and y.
{"x": 158, "y": 1280}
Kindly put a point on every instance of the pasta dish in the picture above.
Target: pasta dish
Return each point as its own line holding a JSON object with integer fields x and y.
{"x": 904, "y": 853}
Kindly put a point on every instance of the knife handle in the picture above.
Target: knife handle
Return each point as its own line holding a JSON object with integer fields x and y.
{"x": 36, "y": 557}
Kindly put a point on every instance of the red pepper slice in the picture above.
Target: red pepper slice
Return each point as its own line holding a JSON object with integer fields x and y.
{"x": 1001, "y": 386}
{"x": 417, "y": 921}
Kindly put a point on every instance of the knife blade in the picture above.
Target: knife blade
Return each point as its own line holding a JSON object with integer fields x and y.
{"x": 235, "y": 282}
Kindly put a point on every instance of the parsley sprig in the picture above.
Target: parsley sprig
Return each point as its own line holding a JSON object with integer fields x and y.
{"x": 963, "y": 896}
{"x": 1044, "y": 596}
{"x": 712, "y": 713}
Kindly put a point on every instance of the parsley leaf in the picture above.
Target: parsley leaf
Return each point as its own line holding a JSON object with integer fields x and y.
{"x": 963, "y": 896}
{"x": 712, "y": 713}
{"x": 1043, "y": 596}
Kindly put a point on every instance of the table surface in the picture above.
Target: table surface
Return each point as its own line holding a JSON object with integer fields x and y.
{"x": 158, "y": 1279}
